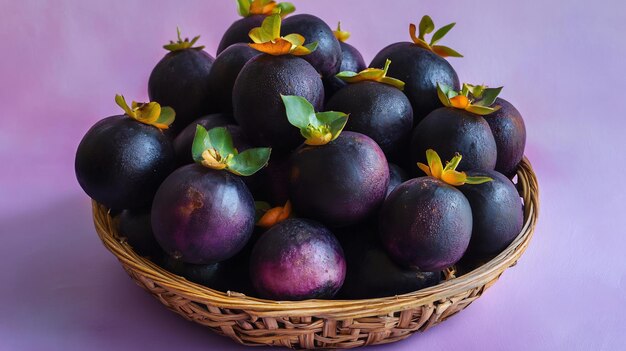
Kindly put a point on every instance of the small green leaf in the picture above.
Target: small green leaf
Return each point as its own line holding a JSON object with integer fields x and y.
{"x": 393, "y": 82}
{"x": 294, "y": 39}
{"x": 489, "y": 96}
{"x": 121, "y": 102}
{"x": 271, "y": 28}
{"x": 477, "y": 180}
{"x": 167, "y": 116}
{"x": 445, "y": 51}
{"x": 442, "y": 93}
{"x": 250, "y": 161}
{"x": 311, "y": 46}
{"x": 200, "y": 143}
{"x": 243, "y": 8}
{"x": 220, "y": 140}
{"x": 346, "y": 74}
{"x": 440, "y": 33}
{"x": 481, "y": 110}
{"x": 284, "y": 8}
{"x": 299, "y": 110}
{"x": 426, "y": 26}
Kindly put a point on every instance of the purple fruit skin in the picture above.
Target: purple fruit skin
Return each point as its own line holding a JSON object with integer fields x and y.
{"x": 257, "y": 105}
{"x": 202, "y": 215}
{"x": 238, "y": 31}
{"x": 121, "y": 162}
{"x": 509, "y": 131}
{"x": 397, "y": 176}
{"x": 340, "y": 183}
{"x": 181, "y": 81}
{"x": 274, "y": 181}
{"x": 421, "y": 70}
{"x": 449, "y": 130}
{"x": 426, "y": 224}
{"x": 224, "y": 72}
{"x": 497, "y": 214}
{"x": 351, "y": 58}
{"x": 377, "y": 110}
{"x": 297, "y": 259}
{"x": 327, "y": 57}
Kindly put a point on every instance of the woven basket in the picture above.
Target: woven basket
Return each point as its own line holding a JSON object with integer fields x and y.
{"x": 321, "y": 323}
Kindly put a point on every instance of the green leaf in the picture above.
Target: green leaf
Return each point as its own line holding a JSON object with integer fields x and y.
{"x": 270, "y": 28}
{"x": 121, "y": 102}
{"x": 426, "y": 26}
{"x": 294, "y": 39}
{"x": 299, "y": 110}
{"x": 243, "y": 8}
{"x": 442, "y": 93}
{"x": 445, "y": 51}
{"x": 250, "y": 161}
{"x": 335, "y": 121}
{"x": 285, "y": 8}
{"x": 167, "y": 116}
{"x": 489, "y": 96}
{"x": 220, "y": 140}
{"x": 440, "y": 33}
{"x": 482, "y": 110}
{"x": 477, "y": 180}
{"x": 346, "y": 74}
{"x": 393, "y": 82}
{"x": 200, "y": 143}
{"x": 311, "y": 46}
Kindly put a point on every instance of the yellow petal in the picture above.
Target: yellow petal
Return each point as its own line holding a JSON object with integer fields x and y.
{"x": 434, "y": 163}
{"x": 455, "y": 178}
{"x": 278, "y": 47}
{"x": 460, "y": 101}
{"x": 424, "y": 168}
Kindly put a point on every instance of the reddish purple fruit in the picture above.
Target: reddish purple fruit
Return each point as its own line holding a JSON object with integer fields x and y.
{"x": 426, "y": 224}
{"x": 202, "y": 215}
{"x": 297, "y": 259}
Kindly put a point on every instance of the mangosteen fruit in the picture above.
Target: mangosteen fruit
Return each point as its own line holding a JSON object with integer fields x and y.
{"x": 426, "y": 223}
{"x": 204, "y": 274}
{"x": 397, "y": 176}
{"x": 421, "y": 66}
{"x": 257, "y": 106}
{"x": 253, "y": 13}
{"x": 297, "y": 259}
{"x": 338, "y": 178}
{"x": 122, "y": 160}
{"x": 224, "y": 72}
{"x": 204, "y": 213}
{"x": 459, "y": 127}
{"x": 351, "y": 61}
{"x": 327, "y": 57}
{"x": 377, "y": 108}
{"x": 509, "y": 132}
{"x": 181, "y": 80}
{"x": 371, "y": 273}
{"x": 497, "y": 214}
{"x": 135, "y": 226}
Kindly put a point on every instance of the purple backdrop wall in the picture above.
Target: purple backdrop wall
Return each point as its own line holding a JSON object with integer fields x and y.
{"x": 561, "y": 62}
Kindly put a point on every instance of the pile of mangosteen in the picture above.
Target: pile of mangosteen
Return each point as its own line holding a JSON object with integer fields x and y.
{"x": 288, "y": 169}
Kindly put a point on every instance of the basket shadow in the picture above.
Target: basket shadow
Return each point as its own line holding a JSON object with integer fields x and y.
{"x": 64, "y": 287}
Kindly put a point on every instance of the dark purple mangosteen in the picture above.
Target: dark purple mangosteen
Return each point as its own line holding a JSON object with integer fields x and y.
{"x": 397, "y": 176}
{"x": 421, "y": 66}
{"x": 136, "y": 227}
{"x": 509, "y": 132}
{"x": 297, "y": 259}
{"x": 181, "y": 80}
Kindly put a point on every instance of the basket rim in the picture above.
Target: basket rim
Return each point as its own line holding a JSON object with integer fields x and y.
{"x": 335, "y": 309}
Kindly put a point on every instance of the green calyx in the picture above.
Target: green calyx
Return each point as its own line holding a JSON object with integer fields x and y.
{"x": 247, "y": 8}
{"x": 372, "y": 74}
{"x": 214, "y": 149}
{"x": 150, "y": 113}
{"x": 182, "y": 44}
{"x": 427, "y": 26}
{"x": 341, "y": 35}
{"x": 267, "y": 39}
{"x": 317, "y": 128}
{"x": 477, "y": 99}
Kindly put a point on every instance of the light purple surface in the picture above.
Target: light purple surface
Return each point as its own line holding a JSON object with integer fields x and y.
{"x": 562, "y": 65}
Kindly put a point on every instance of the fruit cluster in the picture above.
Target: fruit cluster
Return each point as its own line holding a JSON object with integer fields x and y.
{"x": 267, "y": 169}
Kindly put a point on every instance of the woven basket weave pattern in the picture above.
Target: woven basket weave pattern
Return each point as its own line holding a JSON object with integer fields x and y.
{"x": 320, "y": 323}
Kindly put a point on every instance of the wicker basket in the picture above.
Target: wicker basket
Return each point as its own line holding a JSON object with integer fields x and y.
{"x": 321, "y": 323}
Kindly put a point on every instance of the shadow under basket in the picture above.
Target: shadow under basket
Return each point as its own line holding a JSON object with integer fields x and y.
{"x": 321, "y": 323}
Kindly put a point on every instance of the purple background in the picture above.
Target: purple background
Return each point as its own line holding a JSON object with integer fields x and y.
{"x": 562, "y": 65}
